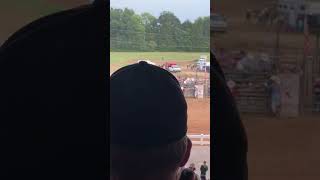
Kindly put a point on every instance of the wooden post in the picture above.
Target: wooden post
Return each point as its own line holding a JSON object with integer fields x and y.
{"x": 201, "y": 139}
{"x": 277, "y": 48}
{"x": 302, "y": 86}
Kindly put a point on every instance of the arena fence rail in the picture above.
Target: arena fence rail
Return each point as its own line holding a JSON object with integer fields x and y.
{"x": 200, "y": 139}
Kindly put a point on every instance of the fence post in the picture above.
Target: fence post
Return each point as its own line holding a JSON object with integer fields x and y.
{"x": 201, "y": 139}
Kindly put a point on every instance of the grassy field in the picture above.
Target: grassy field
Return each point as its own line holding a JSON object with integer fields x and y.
{"x": 122, "y": 58}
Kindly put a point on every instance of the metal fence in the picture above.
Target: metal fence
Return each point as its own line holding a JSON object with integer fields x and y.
{"x": 251, "y": 94}
{"x": 195, "y": 88}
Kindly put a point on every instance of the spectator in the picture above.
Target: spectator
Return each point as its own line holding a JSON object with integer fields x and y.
{"x": 300, "y": 23}
{"x": 148, "y": 119}
{"x": 203, "y": 170}
{"x": 187, "y": 174}
{"x": 193, "y": 168}
{"x": 274, "y": 89}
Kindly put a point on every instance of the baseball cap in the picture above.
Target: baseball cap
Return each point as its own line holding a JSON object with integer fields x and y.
{"x": 147, "y": 106}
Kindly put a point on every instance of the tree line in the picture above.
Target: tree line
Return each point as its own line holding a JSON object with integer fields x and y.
{"x": 130, "y": 31}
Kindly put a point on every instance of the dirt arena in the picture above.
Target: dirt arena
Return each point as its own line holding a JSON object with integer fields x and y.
{"x": 283, "y": 149}
{"x": 279, "y": 148}
{"x": 199, "y": 116}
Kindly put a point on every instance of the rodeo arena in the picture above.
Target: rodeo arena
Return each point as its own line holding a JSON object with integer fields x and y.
{"x": 270, "y": 54}
{"x": 194, "y": 79}
{"x": 274, "y": 80}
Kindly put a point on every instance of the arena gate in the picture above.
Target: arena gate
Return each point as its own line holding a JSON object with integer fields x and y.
{"x": 252, "y": 95}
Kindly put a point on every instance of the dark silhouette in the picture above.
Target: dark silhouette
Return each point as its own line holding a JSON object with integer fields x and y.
{"x": 53, "y": 97}
{"x": 229, "y": 147}
{"x": 148, "y": 119}
{"x": 203, "y": 170}
{"x": 187, "y": 174}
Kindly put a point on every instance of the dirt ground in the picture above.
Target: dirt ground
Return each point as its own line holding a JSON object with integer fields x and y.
{"x": 284, "y": 149}
{"x": 279, "y": 148}
{"x": 199, "y": 116}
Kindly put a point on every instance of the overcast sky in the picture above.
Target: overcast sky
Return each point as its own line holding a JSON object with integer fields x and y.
{"x": 183, "y": 9}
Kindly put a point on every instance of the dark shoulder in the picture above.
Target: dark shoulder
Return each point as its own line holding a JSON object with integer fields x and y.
{"x": 44, "y": 23}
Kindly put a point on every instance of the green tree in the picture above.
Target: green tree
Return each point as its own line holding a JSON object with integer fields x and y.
{"x": 132, "y": 32}
{"x": 200, "y": 34}
{"x": 151, "y": 29}
{"x": 169, "y": 26}
{"x": 127, "y": 31}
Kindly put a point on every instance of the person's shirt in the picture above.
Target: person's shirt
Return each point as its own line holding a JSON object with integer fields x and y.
{"x": 275, "y": 89}
{"x": 203, "y": 169}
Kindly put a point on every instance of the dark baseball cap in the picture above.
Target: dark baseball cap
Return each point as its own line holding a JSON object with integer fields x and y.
{"x": 147, "y": 106}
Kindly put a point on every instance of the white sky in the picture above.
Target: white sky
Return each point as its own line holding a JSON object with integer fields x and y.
{"x": 183, "y": 9}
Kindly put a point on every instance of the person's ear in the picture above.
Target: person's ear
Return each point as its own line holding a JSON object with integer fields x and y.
{"x": 186, "y": 156}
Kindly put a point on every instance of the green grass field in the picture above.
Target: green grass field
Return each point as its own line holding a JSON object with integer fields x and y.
{"x": 123, "y": 58}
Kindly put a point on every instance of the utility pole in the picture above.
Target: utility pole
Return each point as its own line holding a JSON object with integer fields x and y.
{"x": 317, "y": 64}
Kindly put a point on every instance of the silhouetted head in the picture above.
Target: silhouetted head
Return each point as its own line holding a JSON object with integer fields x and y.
{"x": 148, "y": 119}
{"x": 187, "y": 174}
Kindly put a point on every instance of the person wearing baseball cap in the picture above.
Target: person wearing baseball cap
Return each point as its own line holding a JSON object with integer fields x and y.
{"x": 148, "y": 124}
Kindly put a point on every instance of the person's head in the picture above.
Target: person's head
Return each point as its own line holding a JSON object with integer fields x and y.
{"x": 148, "y": 119}
{"x": 187, "y": 174}
{"x": 204, "y": 162}
{"x": 192, "y": 165}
